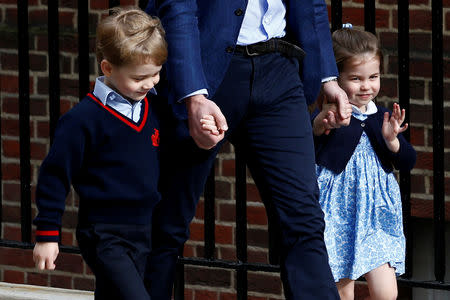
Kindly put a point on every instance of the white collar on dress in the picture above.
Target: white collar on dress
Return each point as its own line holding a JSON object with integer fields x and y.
{"x": 370, "y": 109}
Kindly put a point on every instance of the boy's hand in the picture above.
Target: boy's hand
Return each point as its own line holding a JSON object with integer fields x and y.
{"x": 209, "y": 124}
{"x": 45, "y": 254}
{"x": 392, "y": 127}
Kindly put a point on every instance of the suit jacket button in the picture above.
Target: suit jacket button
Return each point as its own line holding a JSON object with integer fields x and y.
{"x": 229, "y": 49}
{"x": 238, "y": 12}
{"x": 363, "y": 124}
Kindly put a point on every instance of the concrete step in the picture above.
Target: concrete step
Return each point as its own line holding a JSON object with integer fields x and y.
{"x": 12, "y": 291}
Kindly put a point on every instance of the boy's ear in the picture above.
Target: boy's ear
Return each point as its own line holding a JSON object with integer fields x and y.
{"x": 106, "y": 67}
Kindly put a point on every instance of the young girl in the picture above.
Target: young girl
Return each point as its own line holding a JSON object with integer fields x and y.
{"x": 359, "y": 194}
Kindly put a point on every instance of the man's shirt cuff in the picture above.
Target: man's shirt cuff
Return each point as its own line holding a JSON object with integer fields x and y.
{"x": 199, "y": 92}
{"x": 331, "y": 78}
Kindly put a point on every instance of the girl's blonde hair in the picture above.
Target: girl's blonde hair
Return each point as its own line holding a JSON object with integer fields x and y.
{"x": 349, "y": 42}
{"x": 130, "y": 36}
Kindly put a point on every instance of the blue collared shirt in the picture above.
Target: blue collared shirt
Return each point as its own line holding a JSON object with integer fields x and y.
{"x": 113, "y": 99}
{"x": 263, "y": 20}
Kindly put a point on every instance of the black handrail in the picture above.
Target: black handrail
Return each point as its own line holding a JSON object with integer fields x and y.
{"x": 209, "y": 216}
{"x": 24, "y": 122}
{"x": 369, "y": 15}
{"x": 404, "y": 99}
{"x": 336, "y": 15}
{"x": 113, "y": 3}
{"x": 438, "y": 140}
{"x": 241, "y": 223}
{"x": 83, "y": 48}
{"x": 53, "y": 65}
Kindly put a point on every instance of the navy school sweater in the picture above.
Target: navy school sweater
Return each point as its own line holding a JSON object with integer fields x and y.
{"x": 111, "y": 161}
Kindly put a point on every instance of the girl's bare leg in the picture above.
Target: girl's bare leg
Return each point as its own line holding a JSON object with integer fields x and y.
{"x": 346, "y": 289}
{"x": 382, "y": 283}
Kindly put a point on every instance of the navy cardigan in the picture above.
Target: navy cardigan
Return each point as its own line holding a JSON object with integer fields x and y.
{"x": 333, "y": 151}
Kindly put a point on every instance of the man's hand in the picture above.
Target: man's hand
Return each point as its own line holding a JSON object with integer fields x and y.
{"x": 334, "y": 94}
{"x": 45, "y": 254}
{"x": 199, "y": 107}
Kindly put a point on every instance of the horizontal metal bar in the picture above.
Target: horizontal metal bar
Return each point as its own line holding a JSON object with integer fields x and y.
{"x": 274, "y": 268}
{"x": 436, "y": 285}
{"x": 226, "y": 264}
{"x": 427, "y": 284}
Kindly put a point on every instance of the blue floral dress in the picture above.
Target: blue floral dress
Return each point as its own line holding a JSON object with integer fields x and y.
{"x": 363, "y": 214}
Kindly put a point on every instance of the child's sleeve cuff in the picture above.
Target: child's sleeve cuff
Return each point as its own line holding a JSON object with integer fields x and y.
{"x": 47, "y": 234}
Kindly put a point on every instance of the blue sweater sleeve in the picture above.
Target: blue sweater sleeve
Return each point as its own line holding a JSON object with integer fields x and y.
{"x": 63, "y": 161}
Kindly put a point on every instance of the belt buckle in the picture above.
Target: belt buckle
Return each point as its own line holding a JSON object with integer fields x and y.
{"x": 250, "y": 54}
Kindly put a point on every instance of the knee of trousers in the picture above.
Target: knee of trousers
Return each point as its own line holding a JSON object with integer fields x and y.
{"x": 301, "y": 226}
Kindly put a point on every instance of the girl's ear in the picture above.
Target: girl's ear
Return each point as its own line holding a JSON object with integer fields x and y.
{"x": 106, "y": 67}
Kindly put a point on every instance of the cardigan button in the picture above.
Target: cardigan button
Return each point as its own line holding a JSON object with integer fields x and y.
{"x": 238, "y": 12}
{"x": 363, "y": 124}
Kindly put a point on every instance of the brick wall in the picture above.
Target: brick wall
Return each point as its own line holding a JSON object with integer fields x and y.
{"x": 202, "y": 283}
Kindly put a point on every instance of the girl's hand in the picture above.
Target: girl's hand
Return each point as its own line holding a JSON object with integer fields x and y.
{"x": 392, "y": 127}
{"x": 45, "y": 254}
{"x": 326, "y": 119}
{"x": 209, "y": 123}
{"x": 333, "y": 93}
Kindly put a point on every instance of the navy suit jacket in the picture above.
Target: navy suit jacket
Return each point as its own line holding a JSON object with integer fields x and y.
{"x": 202, "y": 34}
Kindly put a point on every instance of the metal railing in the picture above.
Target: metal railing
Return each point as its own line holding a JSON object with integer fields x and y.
{"x": 241, "y": 265}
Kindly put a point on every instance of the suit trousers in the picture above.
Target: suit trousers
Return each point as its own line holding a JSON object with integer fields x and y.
{"x": 262, "y": 99}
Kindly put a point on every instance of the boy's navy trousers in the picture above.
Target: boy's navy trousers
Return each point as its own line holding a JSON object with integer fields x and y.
{"x": 263, "y": 102}
{"x": 118, "y": 256}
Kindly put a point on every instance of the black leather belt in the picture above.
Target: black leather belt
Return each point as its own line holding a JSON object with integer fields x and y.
{"x": 270, "y": 46}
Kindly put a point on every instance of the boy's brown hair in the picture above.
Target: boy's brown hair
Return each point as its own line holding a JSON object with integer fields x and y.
{"x": 348, "y": 43}
{"x": 130, "y": 36}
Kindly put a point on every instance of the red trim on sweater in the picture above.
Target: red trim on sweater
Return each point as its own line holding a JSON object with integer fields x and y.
{"x": 47, "y": 232}
{"x": 120, "y": 117}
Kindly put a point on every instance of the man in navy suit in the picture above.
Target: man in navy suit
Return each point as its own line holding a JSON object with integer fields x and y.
{"x": 230, "y": 59}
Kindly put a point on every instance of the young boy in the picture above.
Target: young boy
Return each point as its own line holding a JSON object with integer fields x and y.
{"x": 107, "y": 147}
